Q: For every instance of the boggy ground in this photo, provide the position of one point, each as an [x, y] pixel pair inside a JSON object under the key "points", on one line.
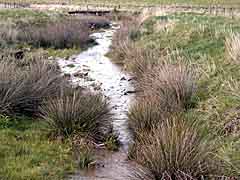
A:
{"points": [[48, 128], [185, 122]]}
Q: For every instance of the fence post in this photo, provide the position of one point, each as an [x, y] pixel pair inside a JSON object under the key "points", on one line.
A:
{"points": [[210, 9], [231, 12]]}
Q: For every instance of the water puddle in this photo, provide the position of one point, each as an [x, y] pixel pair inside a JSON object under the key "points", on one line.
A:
{"points": [[92, 69]]}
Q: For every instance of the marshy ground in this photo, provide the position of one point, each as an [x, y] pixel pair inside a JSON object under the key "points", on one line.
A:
{"points": [[156, 98]]}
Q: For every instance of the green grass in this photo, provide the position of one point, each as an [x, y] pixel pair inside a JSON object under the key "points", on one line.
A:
{"points": [[27, 153], [24, 16], [200, 42]]}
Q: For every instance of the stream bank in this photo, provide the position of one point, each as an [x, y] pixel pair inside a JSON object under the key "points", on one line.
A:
{"points": [[92, 69]]}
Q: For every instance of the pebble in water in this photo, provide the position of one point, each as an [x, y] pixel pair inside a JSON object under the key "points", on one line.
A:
{"points": [[113, 83]]}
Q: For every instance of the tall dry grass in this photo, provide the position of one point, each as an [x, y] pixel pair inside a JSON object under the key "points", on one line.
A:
{"points": [[23, 88], [77, 112], [42, 80], [11, 87], [145, 114], [65, 34], [139, 60], [174, 85], [123, 39], [177, 149], [8, 34], [232, 44]]}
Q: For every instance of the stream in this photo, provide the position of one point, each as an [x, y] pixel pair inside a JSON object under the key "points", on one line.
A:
{"points": [[92, 69]]}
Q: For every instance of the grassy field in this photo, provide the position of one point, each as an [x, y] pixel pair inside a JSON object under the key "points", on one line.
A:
{"points": [[27, 152], [187, 73], [185, 121], [136, 2], [47, 127], [16, 18]]}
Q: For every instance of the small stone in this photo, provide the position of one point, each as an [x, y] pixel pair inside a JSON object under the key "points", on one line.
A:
{"points": [[92, 164], [90, 79], [86, 69], [50, 58], [123, 79], [19, 55], [133, 78], [129, 92], [27, 49], [97, 88]]}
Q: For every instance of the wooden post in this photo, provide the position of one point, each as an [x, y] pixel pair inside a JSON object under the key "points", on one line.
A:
{"points": [[231, 12]]}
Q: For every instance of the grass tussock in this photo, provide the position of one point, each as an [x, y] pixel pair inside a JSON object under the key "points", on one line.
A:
{"points": [[128, 31], [11, 86], [77, 112], [173, 85], [145, 115], [23, 89], [140, 60], [8, 34], [177, 149]]}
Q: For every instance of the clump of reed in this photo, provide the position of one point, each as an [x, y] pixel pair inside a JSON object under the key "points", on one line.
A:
{"points": [[23, 89], [178, 149], [75, 111], [122, 41], [59, 35], [165, 89], [174, 85]]}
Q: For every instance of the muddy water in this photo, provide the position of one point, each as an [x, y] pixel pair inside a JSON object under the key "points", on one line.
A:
{"points": [[92, 69]]}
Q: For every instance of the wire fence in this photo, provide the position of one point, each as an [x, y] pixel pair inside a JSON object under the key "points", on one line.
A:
{"points": [[221, 10]]}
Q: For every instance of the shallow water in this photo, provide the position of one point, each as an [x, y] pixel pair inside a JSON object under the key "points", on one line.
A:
{"points": [[92, 69]]}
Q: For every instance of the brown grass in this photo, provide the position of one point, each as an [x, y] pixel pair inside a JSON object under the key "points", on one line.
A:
{"points": [[11, 86], [177, 149], [146, 114], [24, 88], [122, 41], [77, 112], [174, 85], [8, 34], [65, 34], [233, 46]]}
